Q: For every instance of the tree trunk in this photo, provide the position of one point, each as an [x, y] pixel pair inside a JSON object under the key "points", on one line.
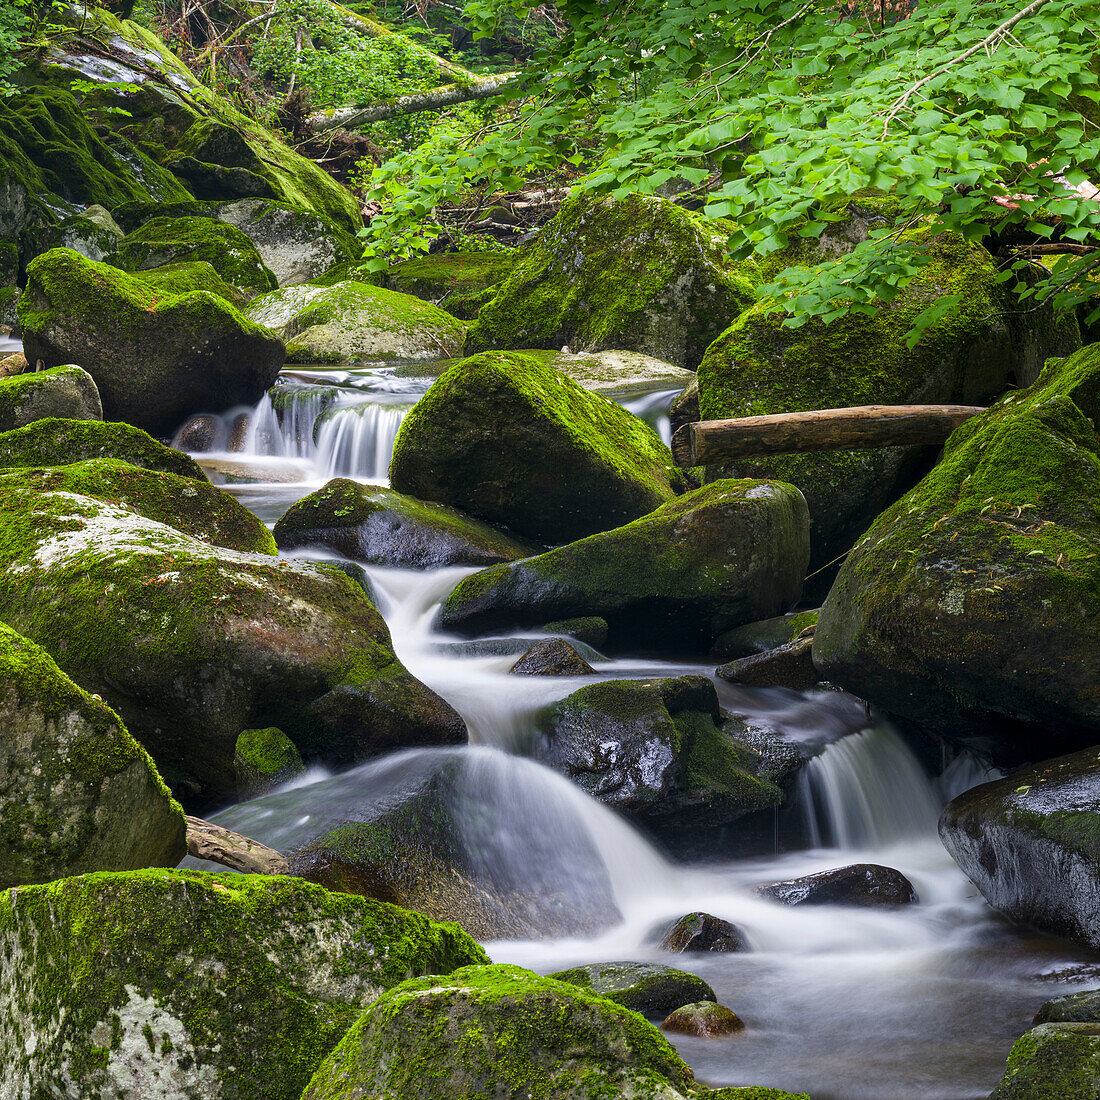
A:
{"points": [[205, 840]]}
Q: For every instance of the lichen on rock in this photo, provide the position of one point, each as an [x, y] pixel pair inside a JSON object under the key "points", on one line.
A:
{"points": [[65, 392]]}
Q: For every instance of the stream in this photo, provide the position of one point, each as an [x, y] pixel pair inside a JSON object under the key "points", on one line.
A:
{"points": [[922, 1002]]}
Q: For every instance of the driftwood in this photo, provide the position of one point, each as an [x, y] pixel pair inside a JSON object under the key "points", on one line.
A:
{"points": [[205, 840], [861, 428]]}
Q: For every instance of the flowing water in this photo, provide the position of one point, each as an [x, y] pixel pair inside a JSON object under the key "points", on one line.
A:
{"points": [[845, 1004]]}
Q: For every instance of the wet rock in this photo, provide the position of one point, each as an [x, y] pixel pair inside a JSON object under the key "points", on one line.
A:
{"points": [[481, 1030], [93, 233], [373, 524], [698, 932], [976, 597], [970, 356], [744, 641], [674, 580], [1076, 1008], [516, 444], [552, 657], [198, 434], [65, 392], [640, 273], [163, 595], [79, 794], [355, 322], [789, 666], [13, 364], [658, 751], [61, 442], [1053, 1062], [706, 1020], [263, 760], [196, 985], [613, 371], [1031, 844], [649, 988], [867, 884], [412, 840], [589, 629], [155, 359], [754, 1092]]}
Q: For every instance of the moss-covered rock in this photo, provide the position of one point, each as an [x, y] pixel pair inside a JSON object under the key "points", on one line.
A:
{"points": [[449, 278], [155, 356], [95, 237], [1053, 1062], [196, 986], [703, 932], [703, 1019], [79, 794], [744, 641], [226, 248], [1075, 1008], [970, 356], [649, 988], [356, 322], [790, 665], [263, 760], [60, 442], [711, 559], [370, 523], [977, 595], [191, 643], [519, 445], [753, 1092], [551, 657], [640, 273], [190, 276], [1031, 844], [65, 393], [658, 751], [487, 1032]]}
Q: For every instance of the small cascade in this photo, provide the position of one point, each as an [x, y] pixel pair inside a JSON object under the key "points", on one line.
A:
{"points": [[868, 790], [357, 441], [653, 408]]}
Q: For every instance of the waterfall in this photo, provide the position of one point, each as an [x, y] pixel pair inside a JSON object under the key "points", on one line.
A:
{"points": [[358, 441], [653, 408]]}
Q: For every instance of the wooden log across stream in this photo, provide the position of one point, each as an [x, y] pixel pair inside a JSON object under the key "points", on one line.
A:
{"points": [[862, 427]]}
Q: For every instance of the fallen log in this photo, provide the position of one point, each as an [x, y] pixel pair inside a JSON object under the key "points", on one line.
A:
{"points": [[861, 428], [205, 840]]}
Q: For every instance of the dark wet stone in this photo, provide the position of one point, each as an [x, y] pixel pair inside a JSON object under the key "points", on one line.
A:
{"points": [[590, 629], [552, 657], [859, 884], [1077, 1008], [789, 666], [707, 1020], [198, 434], [648, 988], [699, 932]]}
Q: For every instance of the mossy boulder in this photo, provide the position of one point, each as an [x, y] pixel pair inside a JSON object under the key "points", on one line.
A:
{"points": [[1053, 1062], [1031, 844], [79, 794], [448, 278], [95, 236], [976, 597], [264, 759], [970, 356], [60, 442], [356, 322], [744, 641], [492, 1031], [1074, 1008], [640, 274], [519, 445], [729, 553], [651, 989], [191, 642], [194, 985], [658, 751], [192, 275], [226, 248], [790, 665], [753, 1092], [373, 524], [66, 393], [155, 356], [521, 867]]}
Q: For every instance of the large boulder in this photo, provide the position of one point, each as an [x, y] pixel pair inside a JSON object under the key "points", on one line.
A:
{"points": [[866, 884], [450, 279], [66, 392], [195, 986], [227, 249], [1031, 844], [155, 357], [729, 553], [499, 1031], [1073, 1008], [79, 794], [357, 322], [373, 524], [976, 597], [969, 356], [104, 565], [92, 233], [519, 445], [1053, 1062], [60, 442], [658, 751], [652, 989], [191, 275], [640, 274]]}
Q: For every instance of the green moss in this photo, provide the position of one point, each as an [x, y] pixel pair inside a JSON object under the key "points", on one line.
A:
{"points": [[60, 442], [639, 273], [1053, 1062], [253, 978], [63, 391], [269, 751], [753, 1092], [450, 275], [189, 276]]}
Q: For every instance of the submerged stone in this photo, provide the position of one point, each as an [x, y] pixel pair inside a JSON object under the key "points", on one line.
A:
{"points": [[698, 932], [64, 392], [649, 988], [493, 1031], [77, 793], [521, 446], [706, 1020], [196, 986]]}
